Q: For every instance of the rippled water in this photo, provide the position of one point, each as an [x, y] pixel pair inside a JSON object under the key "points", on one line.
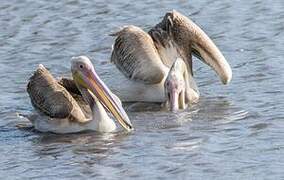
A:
{"points": [[234, 132]]}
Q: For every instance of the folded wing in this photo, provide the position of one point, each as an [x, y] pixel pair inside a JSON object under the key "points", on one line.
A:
{"points": [[52, 99]]}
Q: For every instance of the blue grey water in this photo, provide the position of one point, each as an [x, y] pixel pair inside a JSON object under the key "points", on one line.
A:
{"points": [[234, 132]]}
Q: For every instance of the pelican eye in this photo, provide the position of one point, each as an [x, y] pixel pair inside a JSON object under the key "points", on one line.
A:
{"points": [[81, 66]]}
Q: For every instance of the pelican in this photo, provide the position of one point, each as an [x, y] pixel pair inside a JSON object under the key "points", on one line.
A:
{"points": [[61, 110], [157, 66]]}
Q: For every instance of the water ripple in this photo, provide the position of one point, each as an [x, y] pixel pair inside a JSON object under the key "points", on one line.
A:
{"points": [[234, 132]]}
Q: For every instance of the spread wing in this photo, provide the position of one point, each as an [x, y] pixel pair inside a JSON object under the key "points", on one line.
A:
{"points": [[178, 36], [173, 39], [52, 99], [135, 55]]}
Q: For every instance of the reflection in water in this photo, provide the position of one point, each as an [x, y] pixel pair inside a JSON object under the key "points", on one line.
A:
{"points": [[234, 132], [88, 142]]}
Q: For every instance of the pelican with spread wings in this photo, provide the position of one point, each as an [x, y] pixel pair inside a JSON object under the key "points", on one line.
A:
{"points": [[157, 66]]}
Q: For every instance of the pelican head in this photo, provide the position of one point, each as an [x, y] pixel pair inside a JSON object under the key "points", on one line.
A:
{"points": [[177, 87], [86, 78]]}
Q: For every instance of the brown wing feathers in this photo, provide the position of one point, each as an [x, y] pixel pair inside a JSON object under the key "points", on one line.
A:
{"points": [[52, 99], [135, 55]]}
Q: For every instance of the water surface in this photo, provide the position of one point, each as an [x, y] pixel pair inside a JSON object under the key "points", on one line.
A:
{"points": [[234, 132]]}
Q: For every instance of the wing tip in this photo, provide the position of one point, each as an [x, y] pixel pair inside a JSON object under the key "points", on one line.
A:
{"points": [[118, 31], [124, 29], [228, 77], [173, 12], [40, 68]]}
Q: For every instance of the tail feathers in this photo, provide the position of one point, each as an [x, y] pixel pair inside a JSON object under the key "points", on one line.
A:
{"points": [[31, 117]]}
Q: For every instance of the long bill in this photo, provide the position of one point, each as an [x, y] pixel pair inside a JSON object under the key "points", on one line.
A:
{"points": [[105, 96]]}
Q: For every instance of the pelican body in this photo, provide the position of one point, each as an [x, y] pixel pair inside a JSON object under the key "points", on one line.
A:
{"points": [[146, 60], [65, 109]]}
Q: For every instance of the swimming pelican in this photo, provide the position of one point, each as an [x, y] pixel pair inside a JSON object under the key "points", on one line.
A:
{"points": [[65, 112], [147, 61]]}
